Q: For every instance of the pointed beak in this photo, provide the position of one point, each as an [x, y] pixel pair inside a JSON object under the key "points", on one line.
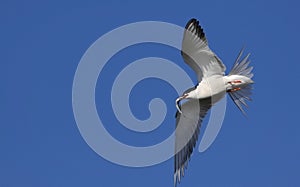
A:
{"points": [[178, 101]]}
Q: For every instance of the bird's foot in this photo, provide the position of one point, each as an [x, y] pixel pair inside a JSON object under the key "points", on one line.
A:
{"points": [[234, 89], [235, 82]]}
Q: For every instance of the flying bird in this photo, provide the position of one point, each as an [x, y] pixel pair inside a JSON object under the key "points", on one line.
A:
{"points": [[212, 86]]}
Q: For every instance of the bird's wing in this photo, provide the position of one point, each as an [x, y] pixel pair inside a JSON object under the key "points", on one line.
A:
{"points": [[196, 53], [187, 130]]}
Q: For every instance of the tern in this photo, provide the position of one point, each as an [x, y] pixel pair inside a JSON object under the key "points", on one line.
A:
{"points": [[212, 86]]}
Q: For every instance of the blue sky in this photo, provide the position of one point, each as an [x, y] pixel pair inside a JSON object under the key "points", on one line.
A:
{"points": [[43, 42]]}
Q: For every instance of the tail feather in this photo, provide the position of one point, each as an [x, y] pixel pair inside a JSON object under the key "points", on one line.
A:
{"points": [[240, 97], [241, 67]]}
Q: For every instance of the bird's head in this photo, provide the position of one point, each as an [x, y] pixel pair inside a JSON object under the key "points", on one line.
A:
{"points": [[188, 94]]}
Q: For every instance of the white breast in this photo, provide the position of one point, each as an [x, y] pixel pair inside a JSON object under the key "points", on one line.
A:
{"points": [[213, 86]]}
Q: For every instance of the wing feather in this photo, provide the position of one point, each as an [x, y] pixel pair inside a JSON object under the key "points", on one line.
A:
{"points": [[196, 53], [187, 132]]}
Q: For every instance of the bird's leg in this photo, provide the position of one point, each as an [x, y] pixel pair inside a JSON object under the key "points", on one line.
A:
{"points": [[235, 82], [232, 84], [234, 89]]}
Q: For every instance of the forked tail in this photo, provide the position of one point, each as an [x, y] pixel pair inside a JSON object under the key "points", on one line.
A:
{"points": [[241, 67]]}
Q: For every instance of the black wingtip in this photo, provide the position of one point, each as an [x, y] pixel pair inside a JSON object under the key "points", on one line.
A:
{"points": [[193, 20], [199, 29]]}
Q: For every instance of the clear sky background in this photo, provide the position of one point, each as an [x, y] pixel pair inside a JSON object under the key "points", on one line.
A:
{"points": [[41, 44]]}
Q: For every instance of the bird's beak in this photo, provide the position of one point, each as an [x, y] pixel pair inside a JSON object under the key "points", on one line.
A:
{"points": [[178, 100]]}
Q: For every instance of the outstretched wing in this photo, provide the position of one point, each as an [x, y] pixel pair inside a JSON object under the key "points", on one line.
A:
{"points": [[187, 131], [196, 53]]}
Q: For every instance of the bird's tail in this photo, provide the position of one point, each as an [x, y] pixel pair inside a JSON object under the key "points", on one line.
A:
{"points": [[241, 67]]}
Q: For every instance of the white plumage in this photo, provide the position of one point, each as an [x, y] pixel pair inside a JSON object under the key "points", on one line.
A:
{"points": [[212, 86]]}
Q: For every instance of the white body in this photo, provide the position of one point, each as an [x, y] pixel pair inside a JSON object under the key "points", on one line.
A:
{"points": [[212, 86], [216, 86]]}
